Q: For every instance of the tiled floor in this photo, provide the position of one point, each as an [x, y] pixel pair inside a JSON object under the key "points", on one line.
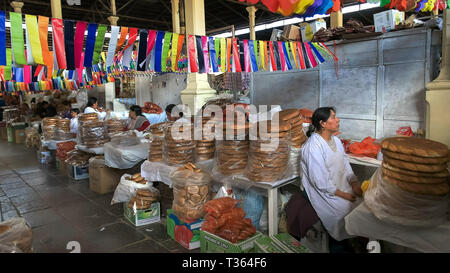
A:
{"points": [[60, 210]]}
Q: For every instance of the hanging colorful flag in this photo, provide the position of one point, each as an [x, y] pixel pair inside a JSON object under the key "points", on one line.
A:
{"points": [[310, 55], [282, 57], [142, 49], [286, 56], [58, 44], [165, 53], [277, 55], [33, 34], [316, 52], [247, 57], [69, 44], [27, 74], [192, 57], [229, 55], [99, 41], [18, 49], [2, 39], [300, 56], [158, 50], [272, 57], [132, 37], [90, 45], [123, 36], [261, 55], [266, 56], [252, 56], [180, 47], [237, 61], [79, 40], [205, 53], [200, 58], [212, 52], [43, 36], [150, 46], [112, 46], [174, 51], [329, 51], [223, 55], [217, 49], [294, 54]]}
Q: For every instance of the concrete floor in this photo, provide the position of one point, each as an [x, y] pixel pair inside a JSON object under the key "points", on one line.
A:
{"points": [[60, 210]]}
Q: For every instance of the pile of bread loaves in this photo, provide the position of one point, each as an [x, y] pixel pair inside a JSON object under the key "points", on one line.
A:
{"points": [[416, 165], [156, 144]]}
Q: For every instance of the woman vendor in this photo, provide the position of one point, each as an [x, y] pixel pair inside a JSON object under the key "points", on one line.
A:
{"points": [[138, 121], [328, 179], [92, 107]]}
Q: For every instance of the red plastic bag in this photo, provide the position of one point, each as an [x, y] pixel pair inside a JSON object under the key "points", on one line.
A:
{"points": [[367, 147], [405, 131]]}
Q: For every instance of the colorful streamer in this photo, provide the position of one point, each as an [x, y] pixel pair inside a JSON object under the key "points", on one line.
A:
{"points": [[79, 39], [174, 51], [237, 62], [180, 46], [167, 39], [69, 43], [90, 45], [158, 50], [272, 57], [18, 49], [223, 55], [228, 54], [33, 34], [247, 57], [99, 41], [205, 53], [123, 36], [142, 49], [2, 39], [282, 58], [112, 46], [43, 35], [252, 56], [201, 60], [212, 52], [192, 59]]}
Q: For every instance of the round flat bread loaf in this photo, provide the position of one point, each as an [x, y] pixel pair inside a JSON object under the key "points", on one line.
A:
{"points": [[288, 114], [413, 173], [425, 189], [414, 179], [416, 167], [415, 146], [415, 159]]}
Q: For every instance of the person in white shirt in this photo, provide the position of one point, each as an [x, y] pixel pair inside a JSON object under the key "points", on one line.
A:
{"points": [[92, 107], [74, 121], [328, 179]]}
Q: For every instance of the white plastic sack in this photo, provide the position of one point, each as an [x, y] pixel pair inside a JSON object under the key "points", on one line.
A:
{"points": [[127, 189], [125, 157], [97, 151]]}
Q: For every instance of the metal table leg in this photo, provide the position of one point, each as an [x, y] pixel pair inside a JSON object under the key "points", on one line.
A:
{"points": [[273, 211]]}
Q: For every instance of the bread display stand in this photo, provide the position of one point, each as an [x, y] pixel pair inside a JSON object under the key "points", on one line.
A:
{"points": [[362, 222], [158, 171], [125, 157]]}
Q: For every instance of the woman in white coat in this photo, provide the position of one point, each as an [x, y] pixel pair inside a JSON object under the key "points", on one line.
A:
{"points": [[328, 179], [92, 107]]}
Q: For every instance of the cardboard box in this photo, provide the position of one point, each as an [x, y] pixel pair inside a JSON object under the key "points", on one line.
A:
{"points": [[103, 179], [280, 243], [45, 157], [291, 32], [78, 172], [19, 136], [186, 234], [142, 217], [307, 30], [211, 243], [387, 20], [3, 133]]}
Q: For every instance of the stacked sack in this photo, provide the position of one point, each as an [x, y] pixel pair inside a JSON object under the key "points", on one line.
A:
{"points": [[50, 128], [412, 186], [93, 134], [297, 137], [157, 140], [416, 165], [232, 152], [179, 151], [226, 221], [206, 147], [63, 129], [191, 190], [268, 158], [115, 126]]}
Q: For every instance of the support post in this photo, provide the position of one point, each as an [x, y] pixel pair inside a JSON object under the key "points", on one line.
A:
{"points": [[17, 6], [176, 16], [251, 19], [56, 9], [336, 19]]}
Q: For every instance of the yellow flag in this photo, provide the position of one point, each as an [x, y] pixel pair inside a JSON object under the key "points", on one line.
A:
{"points": [[223, 55], [174, 50], [33, 34]]}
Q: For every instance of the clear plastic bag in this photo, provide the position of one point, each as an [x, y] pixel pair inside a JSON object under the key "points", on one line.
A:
{"points": [[115, 126], [232, 156], [127, 188], [156, 149], [124, 141], [179, 151], [15, 234], [143, 198], [295, 156], [394, 205], [92, 134], [191, 190]]}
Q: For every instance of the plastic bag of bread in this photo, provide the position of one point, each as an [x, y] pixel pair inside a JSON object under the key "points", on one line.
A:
{"points": [[15, 234], [115, 126], [191, 190], [179, 145], [392, 204], [93, 134], [127, 187], [143, 198]]}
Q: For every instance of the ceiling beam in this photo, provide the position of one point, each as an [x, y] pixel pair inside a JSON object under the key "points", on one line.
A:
{"points": [[233, 10], [124, 6]]}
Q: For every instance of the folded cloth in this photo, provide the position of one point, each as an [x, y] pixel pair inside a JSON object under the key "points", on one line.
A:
{"points": [[300, 215]]}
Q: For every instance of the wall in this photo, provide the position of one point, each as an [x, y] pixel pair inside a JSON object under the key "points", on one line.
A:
{"points": [[377, 86]]}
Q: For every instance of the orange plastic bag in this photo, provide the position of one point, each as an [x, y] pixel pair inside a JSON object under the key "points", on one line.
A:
{"points": [[367, 147]]}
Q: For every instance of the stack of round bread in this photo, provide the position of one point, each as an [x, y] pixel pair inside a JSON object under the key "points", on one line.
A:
{"points": [[115, 126], [87, 118], [93, 134], [206, 147], [50, 128], [268, 157], [191, 190], [144, 198], [63, 126], [178, 151], [156, 144], [416, 165], [295, 119], [232, 152]]}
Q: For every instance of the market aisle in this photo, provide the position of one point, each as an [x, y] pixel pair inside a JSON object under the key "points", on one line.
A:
{"points": [[59, 210]]}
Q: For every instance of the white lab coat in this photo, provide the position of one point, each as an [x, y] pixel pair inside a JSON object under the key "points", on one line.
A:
{"points": [[325, 171], [74, 125], [101, 115]]}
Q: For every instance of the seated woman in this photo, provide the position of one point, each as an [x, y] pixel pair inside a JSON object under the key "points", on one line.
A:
{"points": [[328, 179], [138, 121]]}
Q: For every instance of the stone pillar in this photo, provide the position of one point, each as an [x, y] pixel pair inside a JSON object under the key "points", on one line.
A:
{"points": [[17, 6], [251, 20], [56, 9], [336, 19], [198, 90], [176, 16], [438, 93]]}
